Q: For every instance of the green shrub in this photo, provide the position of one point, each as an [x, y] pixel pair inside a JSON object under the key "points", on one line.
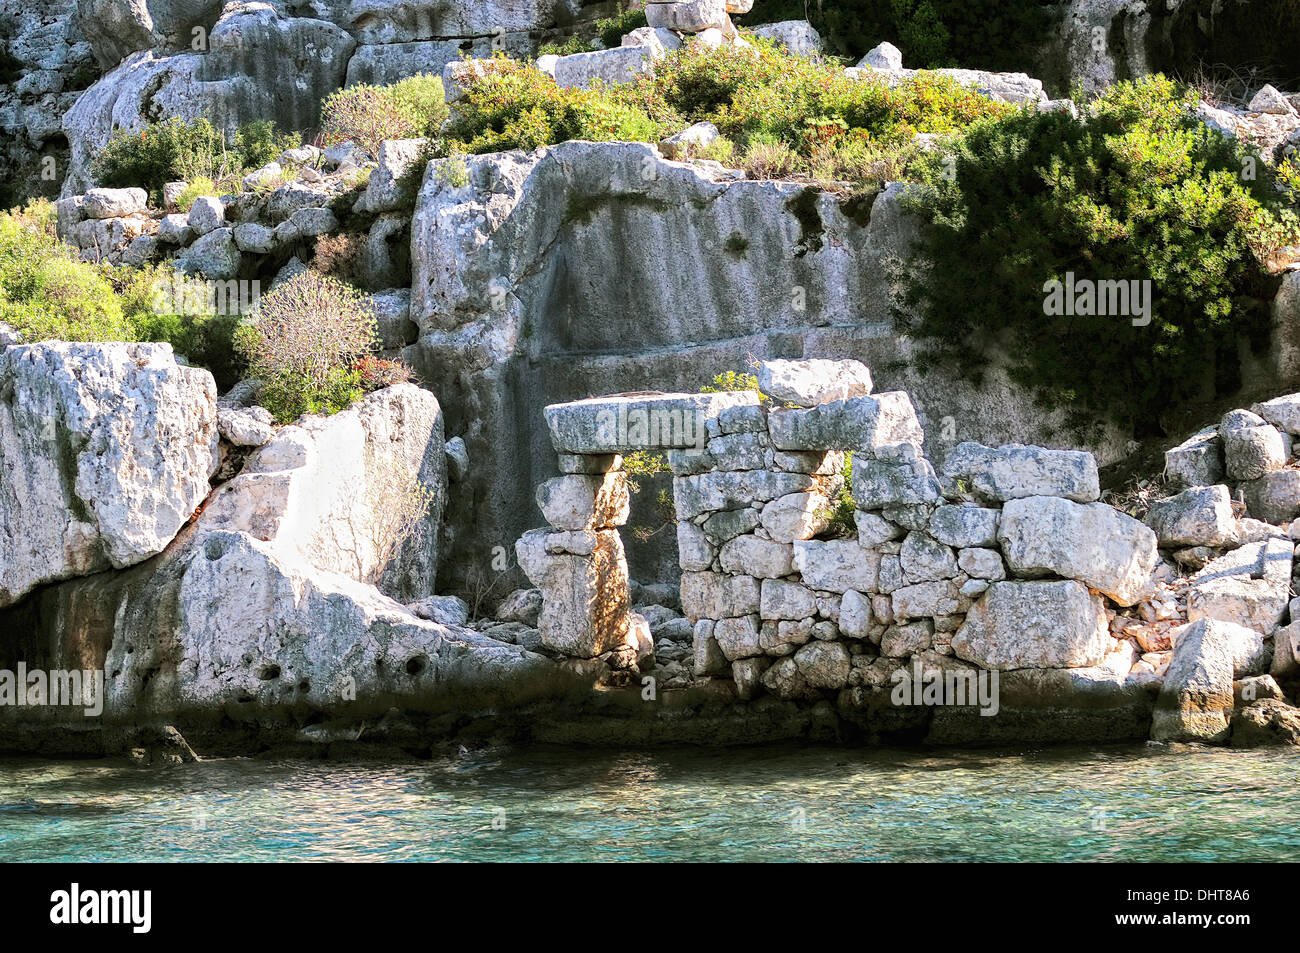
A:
{"points": [[47, 293], [609, 32], [782, 114], [175, 150], [513, 106], [1137, 190], [161, 153], [260, 143], [305, 346], [367, 115], [200, 187]]}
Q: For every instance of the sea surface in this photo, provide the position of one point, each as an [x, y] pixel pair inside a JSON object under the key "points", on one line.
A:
{"points": [[1129, 803]]}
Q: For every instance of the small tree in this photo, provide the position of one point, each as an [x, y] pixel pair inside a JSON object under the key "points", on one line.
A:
{"points": [[311, 332]]}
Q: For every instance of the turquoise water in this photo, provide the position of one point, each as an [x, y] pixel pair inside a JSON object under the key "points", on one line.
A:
{"points": [[796, 804]]}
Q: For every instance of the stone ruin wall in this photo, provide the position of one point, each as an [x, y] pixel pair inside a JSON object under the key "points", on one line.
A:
{"points": [[1004, 561]]}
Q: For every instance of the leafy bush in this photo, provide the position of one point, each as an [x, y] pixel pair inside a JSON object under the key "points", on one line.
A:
{"points": [[260, 143], [161, 153], [514, 106], [311, 332], [175, 150], [977, 34], [48, 293], [1137, 190], [45, 292], [367, 115], [609, 31], [200, 187], [782, 114]]}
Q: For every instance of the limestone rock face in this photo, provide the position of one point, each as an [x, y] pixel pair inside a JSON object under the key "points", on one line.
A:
{"points": [[337, 491], [1094, 543], [227, 626], [1196, 700], [1034, 625], [237, 80], [106, 452]]}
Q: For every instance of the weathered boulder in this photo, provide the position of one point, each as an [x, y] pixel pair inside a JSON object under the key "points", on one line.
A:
{"points": [[895, 475], [1274, 497], [581, 502], [1093, 543], [106, 452], [205, 214], [585, 605], [720, 490], [964, 526], [884, 56], [1267, 722], [622, 424], [612, 67], [1249, 586], [709, 595], [688, 16], [994, 475], [837, 565], [1034, 625], [764, 558], [215, 256], [1251, 447], [244, 426], [1200, 516], [689, 141], [808, 383], [797, 37], [384, 189], [1282, 412], [1197, 461], [823, 665], [444, 610], [113, 203], [794, 516], [1196, 700]]}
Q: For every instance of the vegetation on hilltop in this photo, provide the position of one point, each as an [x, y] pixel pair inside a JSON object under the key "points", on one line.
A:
{"points": [[1137, 189]]}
